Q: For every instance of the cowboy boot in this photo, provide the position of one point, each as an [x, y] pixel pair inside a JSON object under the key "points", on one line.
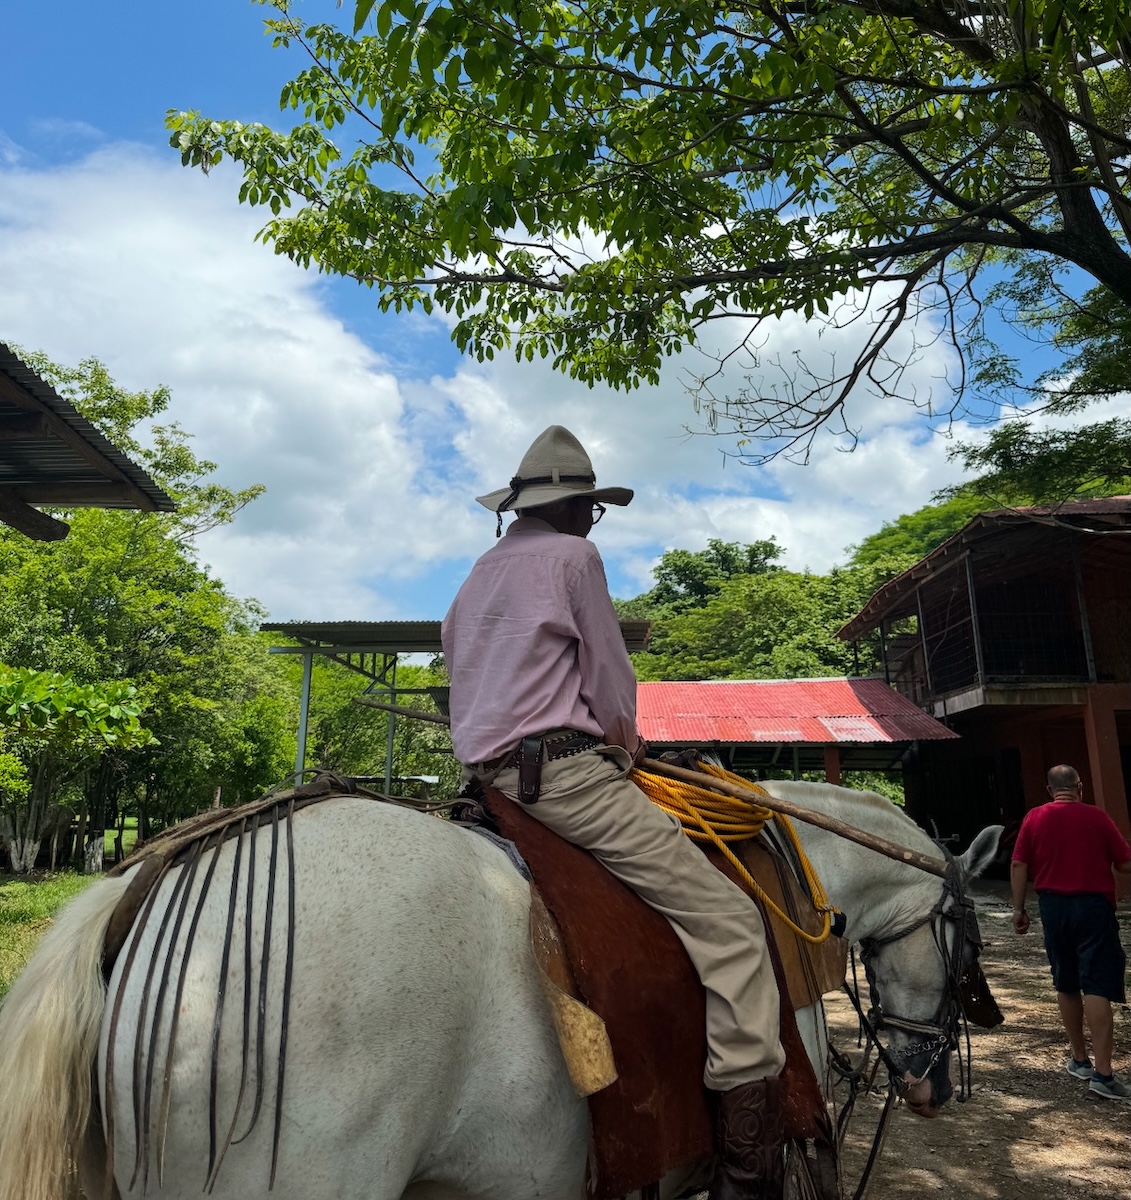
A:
{"points": [[750, 1138]]}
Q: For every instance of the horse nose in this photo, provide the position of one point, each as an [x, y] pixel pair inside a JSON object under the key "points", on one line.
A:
{"points": [[926, 1094], [918, 1094]]}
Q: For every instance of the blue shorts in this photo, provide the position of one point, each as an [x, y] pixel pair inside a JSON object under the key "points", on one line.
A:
{"points": [[1082, 943]]}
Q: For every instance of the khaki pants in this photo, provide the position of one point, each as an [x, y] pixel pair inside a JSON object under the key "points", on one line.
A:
{"points": [[588, 800]]}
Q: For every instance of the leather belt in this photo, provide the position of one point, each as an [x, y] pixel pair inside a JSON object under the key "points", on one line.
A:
{"points": [[532, 752]]}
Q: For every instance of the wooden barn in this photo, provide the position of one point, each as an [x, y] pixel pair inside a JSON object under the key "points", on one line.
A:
{"points": [[1016, 634]]}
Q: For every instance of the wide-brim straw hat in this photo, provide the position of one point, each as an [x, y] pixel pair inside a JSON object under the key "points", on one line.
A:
{"points": [[555, 468]]}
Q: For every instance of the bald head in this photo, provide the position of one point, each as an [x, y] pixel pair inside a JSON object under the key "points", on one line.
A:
{"points": [[1064, 781]]}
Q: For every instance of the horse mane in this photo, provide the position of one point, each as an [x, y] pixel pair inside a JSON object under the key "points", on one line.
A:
{"points": [[823, 796], [879, 814]]}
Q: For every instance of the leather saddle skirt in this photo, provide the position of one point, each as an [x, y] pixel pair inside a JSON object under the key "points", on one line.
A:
{"points": [[631, 969]]}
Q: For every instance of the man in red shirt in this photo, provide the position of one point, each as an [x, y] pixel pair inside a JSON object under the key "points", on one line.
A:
{"points": [[1070, 850]]}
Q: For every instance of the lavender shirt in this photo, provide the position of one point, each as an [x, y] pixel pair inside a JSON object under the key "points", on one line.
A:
{"points": [[532, 643]]}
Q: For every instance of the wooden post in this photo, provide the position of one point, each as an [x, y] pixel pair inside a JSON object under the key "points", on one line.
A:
{"points": [[1085, 626], [923, 642], [391, 725], [303, 713], [832, 764], [975, 628], [1104, 764]]}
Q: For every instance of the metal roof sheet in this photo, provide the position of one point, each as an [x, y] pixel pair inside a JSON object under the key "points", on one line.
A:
{"points": [[401, 637], [811, 711], [50, 454]]}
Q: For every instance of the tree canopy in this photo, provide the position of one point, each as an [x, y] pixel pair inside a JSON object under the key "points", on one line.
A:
{"points": [[914, 535], [1020, 461], [599, 182], [731, 612], [689, 578], [122, 602], [352, 739], [56, 728], [1020, 464], [121, 609]]}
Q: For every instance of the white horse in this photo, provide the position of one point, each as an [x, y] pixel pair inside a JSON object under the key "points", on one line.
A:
{"points": [[421, 1061]]}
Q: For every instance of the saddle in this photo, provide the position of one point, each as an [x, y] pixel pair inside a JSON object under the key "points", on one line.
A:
{"points": [[630, 968]]}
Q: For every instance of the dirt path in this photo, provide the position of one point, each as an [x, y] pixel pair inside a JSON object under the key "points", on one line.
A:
{"points": [[1030, 1131]]}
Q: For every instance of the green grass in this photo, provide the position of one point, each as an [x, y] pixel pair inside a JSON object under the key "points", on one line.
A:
{"points": [[129, 837], [26, 909]]}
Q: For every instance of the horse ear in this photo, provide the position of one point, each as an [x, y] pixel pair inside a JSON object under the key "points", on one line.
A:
{"points": [[982, 852]]}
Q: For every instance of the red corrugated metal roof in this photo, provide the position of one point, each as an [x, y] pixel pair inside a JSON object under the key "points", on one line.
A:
{"points": [[813, 711]]}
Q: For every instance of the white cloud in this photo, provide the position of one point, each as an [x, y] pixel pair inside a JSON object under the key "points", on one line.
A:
{"points": [[1102, 410], [10, 152], [154, 270], [689, 489], [65, 130], [371, 472]]}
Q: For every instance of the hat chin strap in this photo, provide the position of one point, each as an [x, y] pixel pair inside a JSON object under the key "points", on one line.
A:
{"points": [[518, 483]]}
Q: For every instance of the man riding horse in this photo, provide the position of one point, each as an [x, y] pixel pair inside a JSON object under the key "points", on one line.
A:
{"points": [[543, 707]]}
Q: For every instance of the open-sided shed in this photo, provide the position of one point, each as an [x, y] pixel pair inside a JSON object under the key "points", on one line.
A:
{"points": [[829, 725], [52, 455], [797, 725], [372, 649]]}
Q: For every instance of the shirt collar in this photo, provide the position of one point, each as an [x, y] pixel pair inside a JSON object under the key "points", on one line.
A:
{"points": [[529, 525]]}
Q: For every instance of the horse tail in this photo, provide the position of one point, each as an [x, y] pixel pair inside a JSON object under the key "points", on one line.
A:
{"points": [[49, 1030]]}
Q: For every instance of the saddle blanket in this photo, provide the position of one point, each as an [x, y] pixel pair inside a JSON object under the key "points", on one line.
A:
{"points": [[631, 970]]}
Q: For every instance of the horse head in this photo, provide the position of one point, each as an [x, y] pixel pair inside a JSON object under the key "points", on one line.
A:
{"points": [[915, 973]]}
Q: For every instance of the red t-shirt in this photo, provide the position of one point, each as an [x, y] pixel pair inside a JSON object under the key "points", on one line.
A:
{"points": [[1069, 847]]}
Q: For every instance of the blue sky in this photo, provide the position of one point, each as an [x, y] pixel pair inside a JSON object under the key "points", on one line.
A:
{"points": [[371, 433]]}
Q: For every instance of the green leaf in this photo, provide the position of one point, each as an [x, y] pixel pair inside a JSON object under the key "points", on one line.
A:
{"points": [[797, 160], [362, 9]]}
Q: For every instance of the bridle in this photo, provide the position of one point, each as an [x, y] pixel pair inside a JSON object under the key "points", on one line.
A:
{"points": [[966, 996], [941, 1033], [947, 1028]]}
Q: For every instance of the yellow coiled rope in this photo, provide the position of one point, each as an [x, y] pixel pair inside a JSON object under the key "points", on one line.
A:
{"points": [[709, 816]]}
